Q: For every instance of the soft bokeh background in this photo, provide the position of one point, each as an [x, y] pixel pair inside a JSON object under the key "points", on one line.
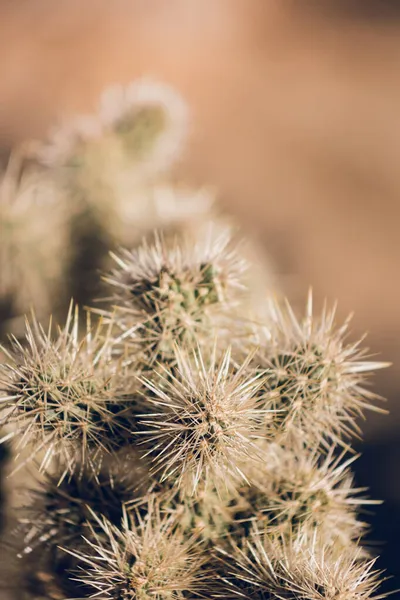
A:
{"points": [[295, 108]]}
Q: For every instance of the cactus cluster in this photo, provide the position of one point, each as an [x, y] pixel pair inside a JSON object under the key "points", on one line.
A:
{"points": [[183, 462], [184, 446]]}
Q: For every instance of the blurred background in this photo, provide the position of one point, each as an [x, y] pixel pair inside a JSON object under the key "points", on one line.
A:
{"points": [[295, 120]]}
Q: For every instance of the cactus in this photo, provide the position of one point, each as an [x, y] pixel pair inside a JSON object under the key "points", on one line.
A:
{"points": [[309, 361], [185, 445], [66, 395]]}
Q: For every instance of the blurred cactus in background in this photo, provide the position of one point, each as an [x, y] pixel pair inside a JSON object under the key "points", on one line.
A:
{"points": [[34, 238], [188, 438]]}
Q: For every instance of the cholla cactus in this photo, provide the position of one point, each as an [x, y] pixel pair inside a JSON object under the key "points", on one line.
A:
{"points": [[187, 447], [315, 381], [65, 396], [204, 421], [57, 513], [166, 294], [301, 567], [224, 435], [146, 559], [296, 490], [145, 122], [113, 162]]}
